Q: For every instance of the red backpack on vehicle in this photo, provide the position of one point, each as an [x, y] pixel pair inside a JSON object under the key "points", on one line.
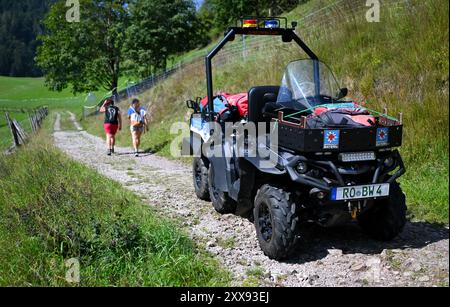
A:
{"points": [[239, 101]]}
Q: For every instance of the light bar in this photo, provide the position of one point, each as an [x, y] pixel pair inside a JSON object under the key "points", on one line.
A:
{"points": [[357, 156], [250, 23]]}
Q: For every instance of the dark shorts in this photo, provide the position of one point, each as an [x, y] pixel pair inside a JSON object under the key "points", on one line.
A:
{"points": [[111, 129], [139, 129]]}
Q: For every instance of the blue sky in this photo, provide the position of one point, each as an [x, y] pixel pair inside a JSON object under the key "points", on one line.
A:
{"points": [[198, 3]]}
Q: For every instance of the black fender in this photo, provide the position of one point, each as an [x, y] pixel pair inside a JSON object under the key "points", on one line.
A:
{"points": [[221, 173], [264, 165]]}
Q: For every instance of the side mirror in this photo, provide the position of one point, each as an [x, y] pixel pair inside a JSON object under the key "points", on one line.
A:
{"points": [[193, 105], [294, 24], [342, 93], [190, 104]]}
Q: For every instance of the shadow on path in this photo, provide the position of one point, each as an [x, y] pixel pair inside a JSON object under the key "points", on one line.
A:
{"points": [[351, 240]]}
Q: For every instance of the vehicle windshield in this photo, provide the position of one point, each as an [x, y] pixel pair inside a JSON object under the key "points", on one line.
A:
{"points": [[306, 84]]}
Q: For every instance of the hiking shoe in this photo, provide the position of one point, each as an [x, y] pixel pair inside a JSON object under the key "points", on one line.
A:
{"points": [[109, 152]]}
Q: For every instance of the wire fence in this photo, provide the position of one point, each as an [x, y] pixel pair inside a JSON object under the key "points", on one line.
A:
{"points": [[316, 25], [134, 88]]}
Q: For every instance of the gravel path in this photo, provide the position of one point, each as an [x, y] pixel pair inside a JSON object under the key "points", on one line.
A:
{"points": [[74, 121], [332, 257]]}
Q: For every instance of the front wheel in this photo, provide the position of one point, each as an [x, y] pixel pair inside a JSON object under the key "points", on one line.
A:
{"points": [[276, 222], [387, 217], [200, 178]]}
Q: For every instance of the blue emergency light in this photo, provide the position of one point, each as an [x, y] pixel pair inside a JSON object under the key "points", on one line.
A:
{"points": [[272, 24]]}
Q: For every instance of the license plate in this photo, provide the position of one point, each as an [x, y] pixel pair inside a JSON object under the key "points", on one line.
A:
{"points": [[360, 192]]}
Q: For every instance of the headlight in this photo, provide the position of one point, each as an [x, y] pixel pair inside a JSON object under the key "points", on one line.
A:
{"points": [[301, 167], [357, 156], [321, 195]]}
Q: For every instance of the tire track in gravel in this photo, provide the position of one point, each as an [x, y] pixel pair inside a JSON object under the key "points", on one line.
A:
{"points": [[328, 257]]}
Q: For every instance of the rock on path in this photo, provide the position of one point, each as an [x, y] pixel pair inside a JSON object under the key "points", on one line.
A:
{"points": [[331, 257]]}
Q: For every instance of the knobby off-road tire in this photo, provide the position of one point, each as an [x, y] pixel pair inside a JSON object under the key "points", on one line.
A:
{"points": [[200, 179], [387, 217], [276, 222], [220, 200]]}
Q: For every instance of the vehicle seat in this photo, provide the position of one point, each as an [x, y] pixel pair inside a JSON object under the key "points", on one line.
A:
{"points": [[256, 102]]}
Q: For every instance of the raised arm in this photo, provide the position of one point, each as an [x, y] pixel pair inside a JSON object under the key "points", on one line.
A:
{"points": [[103, 107]]}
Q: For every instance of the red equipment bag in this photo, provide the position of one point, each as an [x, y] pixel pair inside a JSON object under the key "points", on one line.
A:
{"points": [[240, 101], [354, 116]]}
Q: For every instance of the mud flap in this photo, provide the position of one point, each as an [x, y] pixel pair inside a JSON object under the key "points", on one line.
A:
{"points": [[246, 184], [219, 166]]}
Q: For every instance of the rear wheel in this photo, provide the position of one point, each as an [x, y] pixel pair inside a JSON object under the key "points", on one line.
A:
{"points": [[220, 199], [276, 222], [200, 178], [386, 218]]}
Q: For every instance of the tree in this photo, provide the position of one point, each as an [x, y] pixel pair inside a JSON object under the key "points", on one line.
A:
{"points": [[85, 55], [139, 35], [276, 7], [225, 13], [19, 27], [158, 30]]}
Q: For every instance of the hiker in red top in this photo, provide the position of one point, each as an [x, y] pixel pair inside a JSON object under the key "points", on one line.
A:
{"points": [[112, 123]]}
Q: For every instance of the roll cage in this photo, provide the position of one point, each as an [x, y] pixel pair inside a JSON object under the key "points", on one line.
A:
{"points": [[287, 34]]}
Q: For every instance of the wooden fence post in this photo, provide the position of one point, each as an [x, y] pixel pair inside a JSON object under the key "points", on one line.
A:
{"points": [[13, 131], [22, 135], [19, 135], [32, 119]]}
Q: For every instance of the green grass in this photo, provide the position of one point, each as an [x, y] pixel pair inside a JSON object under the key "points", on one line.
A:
{"points": [[31, 92], [400, 63], [27, 88], [49, 217], [66, 123]]}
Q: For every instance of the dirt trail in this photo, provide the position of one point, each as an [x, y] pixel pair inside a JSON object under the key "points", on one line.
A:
{"points": [[333, 257], [73, 119]]}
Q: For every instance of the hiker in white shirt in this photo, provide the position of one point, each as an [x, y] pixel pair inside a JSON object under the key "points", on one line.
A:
{"points": [[138, 123]]}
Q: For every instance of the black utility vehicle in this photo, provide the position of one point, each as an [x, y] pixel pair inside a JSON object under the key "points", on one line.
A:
{"points": [[332, 161]]}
